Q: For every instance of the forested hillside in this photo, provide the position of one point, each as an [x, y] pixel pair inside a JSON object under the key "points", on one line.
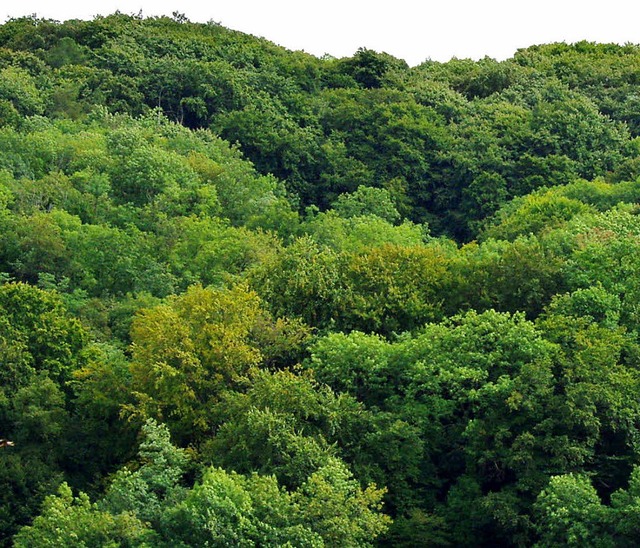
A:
{"points": [[249, 297]]}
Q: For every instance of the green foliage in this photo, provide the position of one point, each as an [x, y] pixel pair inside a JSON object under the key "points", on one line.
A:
{"points": [[227, 508], [19, 95], [26, 479], [303, 280], [185, 352], [66, 52], [604, 72], [571, 514], [41, 347], [625, 510], [371, 69], [540, 119], [509, 276], [524, 406], [360, 234], [152, 269], [395, 288], [38, 335], [148, 506], [230, 509], [336, 507], [367, 201], [74, 521], [133, 502], [534, 213], [210, 251], [280, 426], [155, 486], [97, 437]]}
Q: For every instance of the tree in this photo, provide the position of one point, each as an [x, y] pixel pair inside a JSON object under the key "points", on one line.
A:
{"points": [[534, 214], [187, 351], [395, 288], [362, 233], [571, 514], [19, 94], [371, 69], [147, 492], [367, 201], [40, 333], [209, 251], [73, 521], [333, 504], [41, 346], [27, 479], [304, 280], [284, 424], [230, 509], [134, 501]]}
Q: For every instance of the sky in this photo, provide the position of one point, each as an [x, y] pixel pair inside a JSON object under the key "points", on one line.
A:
{"points": [[412, 30]]}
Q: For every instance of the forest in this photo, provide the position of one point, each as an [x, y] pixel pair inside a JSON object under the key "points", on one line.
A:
{"points": [[252, 297]]}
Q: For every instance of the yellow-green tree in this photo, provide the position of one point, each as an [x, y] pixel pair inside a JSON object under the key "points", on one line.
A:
{"points": [[186, 351]]}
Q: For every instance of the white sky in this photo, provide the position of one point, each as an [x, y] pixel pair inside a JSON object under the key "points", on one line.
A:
{"points": [[413, 30]]}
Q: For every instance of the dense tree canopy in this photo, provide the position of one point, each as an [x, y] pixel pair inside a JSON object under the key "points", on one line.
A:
{"points": [[249, 297]]}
